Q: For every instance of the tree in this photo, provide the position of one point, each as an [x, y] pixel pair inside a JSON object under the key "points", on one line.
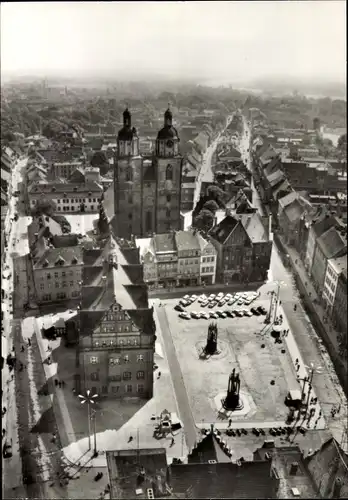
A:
{"points": [[44, 206], [342, 143], [204, 220], [217, 194], [212, 206]]}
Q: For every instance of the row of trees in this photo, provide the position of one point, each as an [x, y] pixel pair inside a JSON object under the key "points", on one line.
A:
{"points": [[204, 213]]}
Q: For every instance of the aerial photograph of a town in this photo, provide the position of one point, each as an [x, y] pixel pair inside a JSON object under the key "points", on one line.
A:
{"points": [[174, 250]]}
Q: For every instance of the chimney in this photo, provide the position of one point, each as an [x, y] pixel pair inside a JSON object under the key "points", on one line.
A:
{"points": [[293, 468], [337, 488]]}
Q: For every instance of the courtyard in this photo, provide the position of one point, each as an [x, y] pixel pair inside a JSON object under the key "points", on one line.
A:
{"points": [[266, 368]]}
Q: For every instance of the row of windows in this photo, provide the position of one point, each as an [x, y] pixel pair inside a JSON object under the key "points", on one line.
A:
{"points": [[60, 296], [207, 269], [140, 375], [64, 284], [71, 209], [63, 274], [110, 343], [208, 259], [116, 361], [116, 389], [79, 200], [188, 262], [116, 329]]}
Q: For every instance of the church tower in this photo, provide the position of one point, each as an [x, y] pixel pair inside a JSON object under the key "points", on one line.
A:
{"points": [[128, 181], [168, 171]]}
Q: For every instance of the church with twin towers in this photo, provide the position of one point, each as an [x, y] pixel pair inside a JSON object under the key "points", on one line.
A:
{"points": [[147, 188]]}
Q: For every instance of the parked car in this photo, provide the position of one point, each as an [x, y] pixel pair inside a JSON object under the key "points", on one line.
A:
{"points": [[186, 297], [221, 314], [213, 315], [212, 304], [240, 302], [232, 301], [222, 303], [184, 315], [211, 296], [195, 315], [262, 310], [204, 304], [238, 313], [255, 311], [184, 303], [193, 298], [205, 315], [179, 308], [220, 296], [248, 313], [202, 298]]}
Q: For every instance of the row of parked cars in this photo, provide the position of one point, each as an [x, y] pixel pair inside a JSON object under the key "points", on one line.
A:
{"points": [[274, 431], [220, 300]]}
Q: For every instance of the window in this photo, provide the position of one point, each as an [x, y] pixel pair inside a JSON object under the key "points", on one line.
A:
{"points": [[168, 212], [64, 284], [115, 388], [90, 200], [168, 198], [130, 216], [95, 376], [135, 341], [148, 222], [56, 275], [96, 344], [104, 389], [140, 375], [130, 198], [169, 173], [126, 358], [129, 174], [140, 357], [94, 360], [75, 293], [140, 388], [127, 375], [42, 286], [48, 276], [129, 388], [71, 283]]}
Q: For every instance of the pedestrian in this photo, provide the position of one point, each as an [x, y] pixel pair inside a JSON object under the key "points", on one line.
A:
{"points": [[172, 442], [296, 361], [295, 307], [130, 439], [55, 382], [3, 432], [159, 375], [59, 384], [229, 422], [4, 410], [21, 367], [63, 383], [49, 360], [29, 342], [22, 348]]}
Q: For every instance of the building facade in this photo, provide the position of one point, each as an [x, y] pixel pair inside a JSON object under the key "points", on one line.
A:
{"points": [[334, 268], [339, 310], [115, 353], [68, 197], [147, 192], [178, 258]]}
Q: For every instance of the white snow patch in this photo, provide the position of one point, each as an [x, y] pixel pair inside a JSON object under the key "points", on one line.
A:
{"points": [[158, 349]]}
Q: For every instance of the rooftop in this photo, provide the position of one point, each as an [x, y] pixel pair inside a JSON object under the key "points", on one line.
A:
{"points": [[164, 243], [223, 230], [331, 243], [51, 187], [339, 264], [187, 240], [254, 227]]}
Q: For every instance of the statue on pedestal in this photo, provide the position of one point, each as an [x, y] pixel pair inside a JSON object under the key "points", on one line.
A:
{"points": [[232, 401], [211, 346]]}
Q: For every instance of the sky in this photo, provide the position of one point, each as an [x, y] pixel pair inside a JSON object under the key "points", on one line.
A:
{"points": [[216, 40]]}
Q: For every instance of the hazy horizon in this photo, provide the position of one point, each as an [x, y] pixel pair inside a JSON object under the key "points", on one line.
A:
{"points": [[201, 41]]}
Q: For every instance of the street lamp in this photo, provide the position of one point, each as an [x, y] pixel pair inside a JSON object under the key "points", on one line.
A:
{"points": [[89, 399], [312, 369], [272, 293]]}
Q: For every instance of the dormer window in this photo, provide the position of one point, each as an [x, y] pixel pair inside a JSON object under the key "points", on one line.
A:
{"points": [[74, 260], [45, 263], [64, 194], [60, 261], [75, 189]]}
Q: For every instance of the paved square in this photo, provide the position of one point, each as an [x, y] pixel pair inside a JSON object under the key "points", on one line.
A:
{"points": [[240, 344]]}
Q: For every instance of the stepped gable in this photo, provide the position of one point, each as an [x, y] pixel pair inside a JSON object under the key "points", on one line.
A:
{"points": [[208, 449]]}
